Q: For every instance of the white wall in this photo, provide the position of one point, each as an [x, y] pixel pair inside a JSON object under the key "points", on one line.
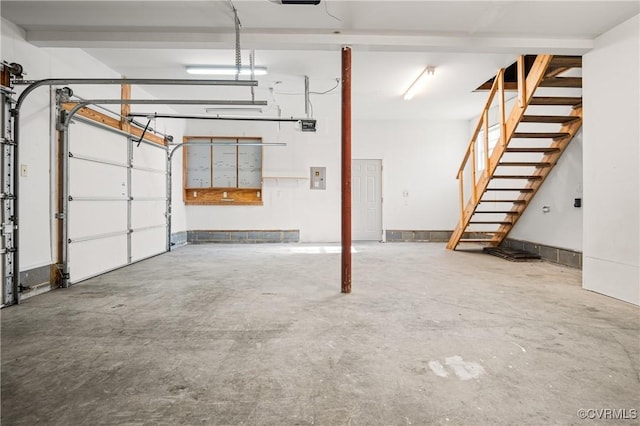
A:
{"points": [[37, 206], [419, 158], [611, 159], [288, 201], [562, 225]]}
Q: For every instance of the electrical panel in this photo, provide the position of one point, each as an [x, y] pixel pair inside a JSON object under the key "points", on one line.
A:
{"points": [[318, 178]]}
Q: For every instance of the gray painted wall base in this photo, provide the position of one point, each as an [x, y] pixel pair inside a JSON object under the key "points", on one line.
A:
{"points": [[557, 255], [179, 239], [552, 254], [247, 237], [395, 236]]}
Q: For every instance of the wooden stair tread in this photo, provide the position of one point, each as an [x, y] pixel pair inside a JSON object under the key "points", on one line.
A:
{"points": [[549, 150], [572, 82], [564, 61], [524, 164], [496, 212], [490, 222], [540, 135], [486, 232], [503, 201], [511, 189], [556, 100], [562, 119], [525, 177]]}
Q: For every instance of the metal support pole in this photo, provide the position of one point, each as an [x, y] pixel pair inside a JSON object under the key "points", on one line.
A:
{"points": [[346, 169]]}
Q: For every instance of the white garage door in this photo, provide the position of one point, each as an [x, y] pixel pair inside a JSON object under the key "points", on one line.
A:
{"points": [[117, 201]]}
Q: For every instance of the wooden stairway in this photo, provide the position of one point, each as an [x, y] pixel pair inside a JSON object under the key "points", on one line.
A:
{"points": [[545, 117]]}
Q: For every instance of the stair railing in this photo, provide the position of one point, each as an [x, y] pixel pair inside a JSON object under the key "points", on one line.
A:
{"points": [[526, 85], [471, 158]]}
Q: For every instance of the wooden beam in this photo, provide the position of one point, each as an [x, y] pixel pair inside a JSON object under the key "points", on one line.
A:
{"points": [[509, 86], [125, 109], [346, 170], [474, 191], [5, 76], [503, 117], [571, 82], [566, 61], [99, 117], [522, 82]]}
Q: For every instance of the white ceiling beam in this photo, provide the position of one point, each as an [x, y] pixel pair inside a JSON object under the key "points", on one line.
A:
{"points": [[308, 41]]}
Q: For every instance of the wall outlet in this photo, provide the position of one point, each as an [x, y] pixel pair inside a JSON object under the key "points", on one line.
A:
{"points": [[24, 170]]}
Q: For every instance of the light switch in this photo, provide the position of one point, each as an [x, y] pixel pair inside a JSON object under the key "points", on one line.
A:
{"points": [[24, 171]]}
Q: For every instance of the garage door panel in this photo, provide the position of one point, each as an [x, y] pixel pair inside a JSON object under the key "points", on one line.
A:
{"points": [[148, 242], [90, 258], [107, 229], [87, 140], [95, 218], [88, 179], [147, 213], [147, 184]]}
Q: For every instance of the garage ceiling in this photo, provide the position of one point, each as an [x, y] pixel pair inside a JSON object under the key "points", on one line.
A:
{"points": [[393, 41]]}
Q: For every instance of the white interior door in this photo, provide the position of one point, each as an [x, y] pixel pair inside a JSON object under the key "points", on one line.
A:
{"points": [[366, 200]]}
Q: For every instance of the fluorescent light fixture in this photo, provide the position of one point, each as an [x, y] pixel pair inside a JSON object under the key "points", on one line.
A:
{"points": [[419, 83], [225, 70]]}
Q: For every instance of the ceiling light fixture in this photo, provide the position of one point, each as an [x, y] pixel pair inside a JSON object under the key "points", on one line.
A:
{"points": [[225, 70], [419, 83]]}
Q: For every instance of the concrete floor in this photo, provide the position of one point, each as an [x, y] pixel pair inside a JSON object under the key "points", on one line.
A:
{"points": [[260, 334]]}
